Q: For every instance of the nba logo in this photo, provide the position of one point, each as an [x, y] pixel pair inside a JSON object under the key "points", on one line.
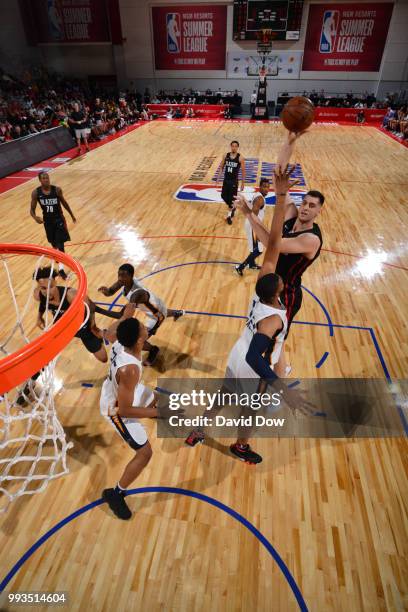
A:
{"points": [[329, 31], [173, 32]]}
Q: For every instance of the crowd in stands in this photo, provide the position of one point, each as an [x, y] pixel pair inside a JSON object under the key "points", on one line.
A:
{"points": [[38, 100], [348, 100], [396, 121]]}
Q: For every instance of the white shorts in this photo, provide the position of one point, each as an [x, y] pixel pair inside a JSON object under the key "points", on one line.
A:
{"points": [[130, 429], [151, 320], [81, 133], [237, 365]]}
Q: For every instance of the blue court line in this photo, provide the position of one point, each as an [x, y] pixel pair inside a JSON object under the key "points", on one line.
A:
{"points": [[388, 377], [189, 263], [323, 307], [175, 490], [322, 360], [113, 303], [379, 353], [219, 314]]}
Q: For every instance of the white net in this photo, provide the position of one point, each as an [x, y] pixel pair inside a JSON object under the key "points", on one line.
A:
{"points": [[33, 445]]}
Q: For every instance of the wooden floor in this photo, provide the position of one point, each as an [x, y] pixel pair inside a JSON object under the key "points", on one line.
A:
{"points": [[335, 510]]}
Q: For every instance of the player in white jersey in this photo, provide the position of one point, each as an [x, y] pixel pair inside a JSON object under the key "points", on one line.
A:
{"points": [[255, 246], [154, 308], [124, 399]]}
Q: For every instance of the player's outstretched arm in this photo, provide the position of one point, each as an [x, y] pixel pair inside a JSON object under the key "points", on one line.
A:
{"points": [[110, 290], [65, 203], [260, 343], [128, 312], [243, 173], [128, 379], [288, 148], [33, 207], [282, 186]]}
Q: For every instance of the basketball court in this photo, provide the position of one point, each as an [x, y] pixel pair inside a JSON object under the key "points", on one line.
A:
{"points": [[320, 522]]}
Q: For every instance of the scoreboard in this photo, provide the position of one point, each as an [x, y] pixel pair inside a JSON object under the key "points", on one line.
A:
{"points": [[283, 17]]}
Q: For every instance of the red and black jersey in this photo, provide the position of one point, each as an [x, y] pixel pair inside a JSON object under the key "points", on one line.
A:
{"points": [[290, 267]]}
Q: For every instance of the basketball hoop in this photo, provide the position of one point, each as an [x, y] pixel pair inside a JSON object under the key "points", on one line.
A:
{"points": [[33, 445]]}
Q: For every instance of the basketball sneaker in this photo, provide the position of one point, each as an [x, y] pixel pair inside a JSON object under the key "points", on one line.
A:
{"points": [[116, 502], [245, 453], [229, 220], [178, 314], [195, 437]]}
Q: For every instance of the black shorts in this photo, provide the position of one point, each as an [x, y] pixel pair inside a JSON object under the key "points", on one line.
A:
{"points": [[229, 191], [57, 231], [91, 342], [292, 300]]}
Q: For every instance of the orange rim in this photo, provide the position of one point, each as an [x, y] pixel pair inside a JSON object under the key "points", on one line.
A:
{"points": [[25, 362]]}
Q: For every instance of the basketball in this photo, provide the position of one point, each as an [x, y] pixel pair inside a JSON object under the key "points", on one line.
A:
{"points": [[298, 114]]}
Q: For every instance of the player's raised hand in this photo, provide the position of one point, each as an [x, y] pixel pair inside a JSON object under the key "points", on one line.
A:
{"points": [[129, 310], [242, 204], [282, 180], [104, 290], [294, 136]]}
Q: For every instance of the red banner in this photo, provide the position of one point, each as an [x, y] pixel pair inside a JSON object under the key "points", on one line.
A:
{"points": [[347, 37], [68, 21], [212, 111], [189, 37], [371, 115]]}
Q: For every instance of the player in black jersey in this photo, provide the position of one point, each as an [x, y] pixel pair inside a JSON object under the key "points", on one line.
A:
{"points": [[58, 301], [232, 162], [50, 199], [300, 247]]}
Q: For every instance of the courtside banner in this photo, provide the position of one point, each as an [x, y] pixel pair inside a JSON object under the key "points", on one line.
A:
{"points": [[346, 37], [189, 37]]}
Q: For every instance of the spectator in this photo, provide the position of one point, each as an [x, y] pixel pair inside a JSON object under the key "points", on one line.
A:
{"points": [[253, 102], [78, 120], [360, 117], [388, 117]]}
